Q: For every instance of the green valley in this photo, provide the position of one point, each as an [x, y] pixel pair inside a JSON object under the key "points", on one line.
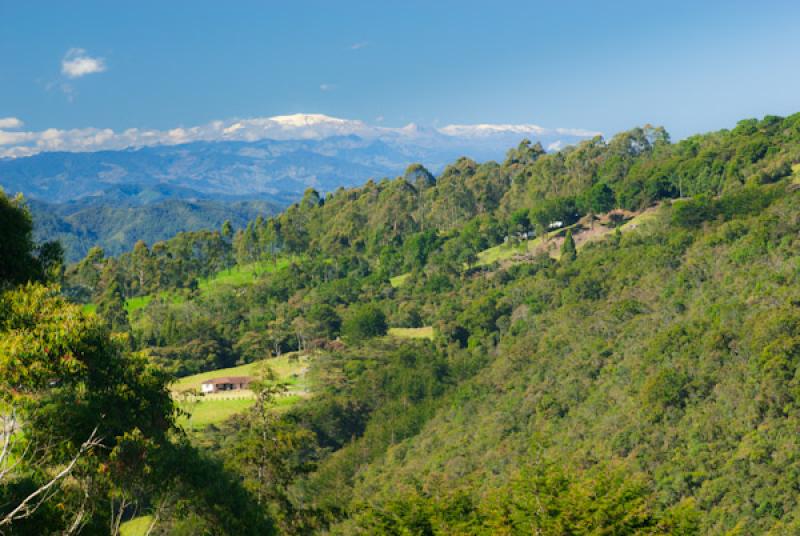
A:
{"points": [[597, 340]]}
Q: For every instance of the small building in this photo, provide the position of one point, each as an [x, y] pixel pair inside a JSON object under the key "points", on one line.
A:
{"points": [[229, 383]]}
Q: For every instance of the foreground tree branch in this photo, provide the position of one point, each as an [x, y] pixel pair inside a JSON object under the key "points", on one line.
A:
{"points": [[33, 501]]}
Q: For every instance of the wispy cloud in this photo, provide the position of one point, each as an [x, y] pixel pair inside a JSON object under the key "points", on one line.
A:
{"points": [[327, 87], [10, 122], [359, 45], [78, 63], [15, 142]]}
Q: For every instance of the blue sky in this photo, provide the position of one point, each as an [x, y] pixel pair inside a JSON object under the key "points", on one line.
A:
{"points": [[606, 66]]}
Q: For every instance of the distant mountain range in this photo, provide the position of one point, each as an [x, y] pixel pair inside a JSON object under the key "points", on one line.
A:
{"points": [[194, 178]]}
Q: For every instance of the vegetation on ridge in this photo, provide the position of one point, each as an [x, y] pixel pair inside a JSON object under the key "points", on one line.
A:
{"points": [[639, 382]]}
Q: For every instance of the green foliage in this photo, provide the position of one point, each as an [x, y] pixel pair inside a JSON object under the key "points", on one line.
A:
{"points": [[88, 429], [365, 322], [20, 261], [116, 226], [568, 250], [598, 199], [645, 386]]}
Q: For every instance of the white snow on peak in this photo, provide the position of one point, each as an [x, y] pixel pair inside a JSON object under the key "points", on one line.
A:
{"points": [[305, 120]]}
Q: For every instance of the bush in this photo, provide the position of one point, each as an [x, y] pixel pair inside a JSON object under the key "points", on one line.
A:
{"points": [[364, 322]]}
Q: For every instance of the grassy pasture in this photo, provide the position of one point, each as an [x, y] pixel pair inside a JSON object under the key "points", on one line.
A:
{"points": [[215, 408], [136, 527], [399, 280], [425, 332], [242, 275], [236, 276]]}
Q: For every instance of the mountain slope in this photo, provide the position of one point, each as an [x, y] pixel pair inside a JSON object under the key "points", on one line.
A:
{"points": [[643, 382], [673, 352], [116, 227]]}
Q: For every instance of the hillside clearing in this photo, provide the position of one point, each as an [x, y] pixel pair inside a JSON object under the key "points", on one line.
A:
{"points": [[215, 408], [583, 233], [137, 526], [399, 280], [242, 275], [425, 332]]}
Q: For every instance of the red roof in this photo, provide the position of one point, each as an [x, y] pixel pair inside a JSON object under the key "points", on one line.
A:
{"points": [[228, 379]]}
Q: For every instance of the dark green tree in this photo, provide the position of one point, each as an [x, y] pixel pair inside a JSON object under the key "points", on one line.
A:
{"points": [[17, 260], [365, 322], [568, 250]]}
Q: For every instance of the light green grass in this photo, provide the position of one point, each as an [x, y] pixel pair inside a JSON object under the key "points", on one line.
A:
{"points": [[242, 275], [399, 280], [236, 276], [212, 411], [215, 408], [136, 527], [284, 367], [506, 251], [639, 219], [425, 332], [795, 173], [194, 381], [139, 302]]}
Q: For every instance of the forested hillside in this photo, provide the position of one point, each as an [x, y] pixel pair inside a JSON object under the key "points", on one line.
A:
{"points": [[625, 360], [116, 225]]}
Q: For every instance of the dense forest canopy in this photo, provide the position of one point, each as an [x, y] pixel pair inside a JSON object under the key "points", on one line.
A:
{"points": [[613, 346]]}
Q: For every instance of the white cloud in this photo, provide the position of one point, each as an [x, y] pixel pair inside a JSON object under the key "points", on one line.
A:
{"points": [[359, 45], [16, 143], [484, 130], [10, 122], [327, 87], [77, 63]]}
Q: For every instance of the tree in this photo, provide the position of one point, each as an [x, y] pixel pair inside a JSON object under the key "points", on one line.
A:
{"points": [[70, 392], [267, 448], [568, 251], [227, 230], [50, 256], [142, 266], [418, 176], [111, 307], [365, 322], [324, 320], [17, 261], [599, 199]]}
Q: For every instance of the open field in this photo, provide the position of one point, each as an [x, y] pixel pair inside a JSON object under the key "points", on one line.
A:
{"points": [[210, 411], [399, 280], [551, 242], [215, 408], [425, 332], [236, 276], [289, 367], [242, 275], [139, 302], [502, 252], [136, 527]]}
